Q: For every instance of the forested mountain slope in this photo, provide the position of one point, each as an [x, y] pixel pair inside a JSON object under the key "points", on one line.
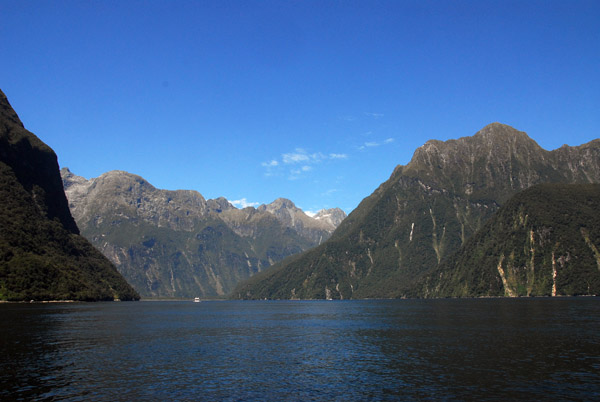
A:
{"points": [[544, 241]]}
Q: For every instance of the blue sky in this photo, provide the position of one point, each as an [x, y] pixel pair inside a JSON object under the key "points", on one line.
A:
{"points": [[315, 101]]}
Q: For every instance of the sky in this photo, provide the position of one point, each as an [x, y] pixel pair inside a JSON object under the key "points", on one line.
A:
{"points": [[314, 101]]}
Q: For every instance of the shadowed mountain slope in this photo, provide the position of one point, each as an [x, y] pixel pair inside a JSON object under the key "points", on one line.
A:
{"points": [[42, 255], [544, 241]]}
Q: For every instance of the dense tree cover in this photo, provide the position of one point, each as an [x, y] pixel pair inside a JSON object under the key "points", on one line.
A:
{"points": [[545, 241]]}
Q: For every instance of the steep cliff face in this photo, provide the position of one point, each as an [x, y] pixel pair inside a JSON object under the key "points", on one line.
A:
{"points": [[543, 242], [177, 243], [35, 166], [424, 212], [42, 255]]}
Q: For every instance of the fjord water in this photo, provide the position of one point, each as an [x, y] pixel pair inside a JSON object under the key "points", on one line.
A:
{"points": [[474, 349]]}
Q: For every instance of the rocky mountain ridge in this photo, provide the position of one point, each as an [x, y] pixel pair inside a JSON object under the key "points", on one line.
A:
{"points": [[312, 227], [217, 245], [333, 216], [425, 211]]}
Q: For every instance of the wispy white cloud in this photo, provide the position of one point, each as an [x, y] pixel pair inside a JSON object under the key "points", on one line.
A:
{"points": [[243, 203], [375, 115], [300, 155], [296, 173], [294, 157], [338, 156], [297, 156], [299, 161], [272, 163], [372, 144]]}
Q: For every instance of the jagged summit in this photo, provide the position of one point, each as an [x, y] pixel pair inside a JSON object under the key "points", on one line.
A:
{"points": [[496, 156], [334, 216], [279, 203], [499, 132], [219, 204], [495, 139]]}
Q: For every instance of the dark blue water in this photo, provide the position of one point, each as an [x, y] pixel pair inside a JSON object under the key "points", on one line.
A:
{"points": [[490, 349]]}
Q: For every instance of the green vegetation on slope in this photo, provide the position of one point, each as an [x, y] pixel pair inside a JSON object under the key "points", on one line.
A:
{"points": [[542, 242], [42, 256]]}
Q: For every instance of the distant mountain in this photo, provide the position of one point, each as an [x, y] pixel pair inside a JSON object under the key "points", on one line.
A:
{"points": [[544, 241], [177, 243], [42, 255], [424, 212], [325, 221], [333, 216]]}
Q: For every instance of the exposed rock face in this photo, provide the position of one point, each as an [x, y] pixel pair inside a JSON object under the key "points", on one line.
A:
{"points": [[543, 242], [424, 212], [42, 255], [137, 200], [332, 216], [177, 243], [291, 216]]}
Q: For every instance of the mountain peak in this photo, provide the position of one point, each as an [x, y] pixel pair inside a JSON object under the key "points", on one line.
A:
{"points": [[498, 126], [7, 112], [333, 216], [500, 131], [283, 203], [280, 206], [500, 147], [219, 205], [126, 181]]}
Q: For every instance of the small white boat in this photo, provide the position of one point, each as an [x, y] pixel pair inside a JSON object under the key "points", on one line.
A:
{"points": [[197, 300]]}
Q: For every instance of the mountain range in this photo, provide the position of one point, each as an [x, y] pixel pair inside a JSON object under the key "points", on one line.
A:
{"points": [[426, 211], [178, 244], [42, 255], [492, 214]]}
